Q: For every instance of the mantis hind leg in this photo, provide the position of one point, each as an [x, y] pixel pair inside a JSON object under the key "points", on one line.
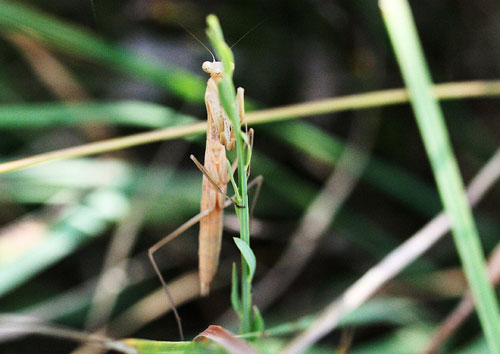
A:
{"points": [[162, 243]]}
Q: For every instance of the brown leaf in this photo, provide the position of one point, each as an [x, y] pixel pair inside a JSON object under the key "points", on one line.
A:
{"points": [[225, 339]]}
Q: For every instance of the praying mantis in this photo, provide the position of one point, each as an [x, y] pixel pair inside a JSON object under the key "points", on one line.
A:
{"points": [[216, 175], [220, 136]]}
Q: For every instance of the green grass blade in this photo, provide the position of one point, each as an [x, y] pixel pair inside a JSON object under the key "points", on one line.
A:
{"points": [[235, 296], [404, 38], [394, 311], [248, 254], [133, 113]]}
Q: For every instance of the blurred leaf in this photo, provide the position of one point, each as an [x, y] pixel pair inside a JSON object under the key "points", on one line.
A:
{"points": [[145, 346], [477, 346], [134, 113], [68, 38], [78, 224], [394, 311], [408, 340], [258, 323]]}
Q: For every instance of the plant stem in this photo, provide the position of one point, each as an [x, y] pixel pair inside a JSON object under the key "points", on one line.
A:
{"points": [[244, 219]]}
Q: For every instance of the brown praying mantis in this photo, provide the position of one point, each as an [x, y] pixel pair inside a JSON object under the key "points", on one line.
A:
{"points": [[217, 172]]}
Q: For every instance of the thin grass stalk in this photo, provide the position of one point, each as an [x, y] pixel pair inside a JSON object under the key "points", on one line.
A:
{"points": [[404, 38]]}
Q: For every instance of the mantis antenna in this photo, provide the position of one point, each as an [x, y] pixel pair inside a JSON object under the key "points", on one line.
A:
{"points": [[203, 44], [249, 31], [198, 40]]}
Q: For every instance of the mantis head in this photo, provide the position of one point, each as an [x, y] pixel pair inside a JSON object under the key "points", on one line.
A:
{"points": [[214, 68]]}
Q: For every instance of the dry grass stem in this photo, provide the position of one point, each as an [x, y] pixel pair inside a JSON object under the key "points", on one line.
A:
{"points": [[359, 101]]}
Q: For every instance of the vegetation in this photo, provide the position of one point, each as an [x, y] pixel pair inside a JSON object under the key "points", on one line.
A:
{"points": [[100, 109]]}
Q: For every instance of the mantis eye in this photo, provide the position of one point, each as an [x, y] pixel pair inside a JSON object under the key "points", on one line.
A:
{"points": [[207, 67]]}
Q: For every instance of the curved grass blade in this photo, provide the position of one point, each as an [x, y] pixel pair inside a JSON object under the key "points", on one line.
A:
{"points": [[248, 254]]}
